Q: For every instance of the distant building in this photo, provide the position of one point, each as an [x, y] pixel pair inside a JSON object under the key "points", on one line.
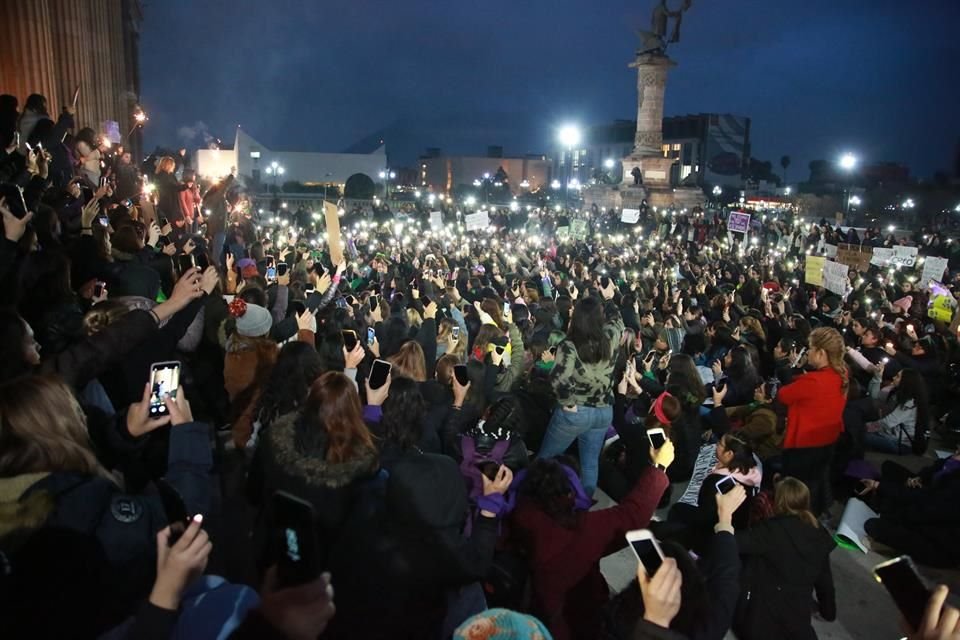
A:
{"points": [[443, 174], [254, 162], [711, 149]]}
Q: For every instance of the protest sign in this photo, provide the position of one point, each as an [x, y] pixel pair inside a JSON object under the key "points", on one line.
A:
{"points": [[578, 229], [830, 250], [881, 256], [814, 272], [332, 218], [902, 256], [436, 220], [563, 233], [739, 222], [477, 221], [854, 256], [630, 216], [933, 269], [942, 303], [835, 277]]}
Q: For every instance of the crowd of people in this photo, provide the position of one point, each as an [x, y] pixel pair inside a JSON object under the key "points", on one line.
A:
{"points": [[180, 373]]}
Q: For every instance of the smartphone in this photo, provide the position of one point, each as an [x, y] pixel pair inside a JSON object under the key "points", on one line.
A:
{"points": [[645, 547], [296, 534], [489, 468], [799, 357], [162, 222], [371, 335], [164, 380], [175, 508], [268, 261], [271, 273], [15, 202], [299, 307], [98, 289], [604, 282], [103, 181], [282, 269], [373, 301], [318, 269], [202, 261], [378, 373], [726, 485], [349, 339], [185, 262], [455, 332], [899, 576], [506, 308], [499, 349], [461, 374], [657, 437]]}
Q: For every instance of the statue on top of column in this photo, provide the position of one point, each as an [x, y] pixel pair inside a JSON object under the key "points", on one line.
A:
{"points": [[655, 41]]}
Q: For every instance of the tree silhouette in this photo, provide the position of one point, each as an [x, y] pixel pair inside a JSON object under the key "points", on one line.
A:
{"points": [[359, 186], [784, 163]]}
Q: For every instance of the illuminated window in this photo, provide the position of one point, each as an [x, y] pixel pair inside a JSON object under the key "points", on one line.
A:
{"points": [[676, 146], [255, 154], [666, 148]]}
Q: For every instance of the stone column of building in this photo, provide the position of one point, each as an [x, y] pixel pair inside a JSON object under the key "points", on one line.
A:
{"points": [[26, 51], [121, 108], [70, 27], [105, 93], [651, 89]]}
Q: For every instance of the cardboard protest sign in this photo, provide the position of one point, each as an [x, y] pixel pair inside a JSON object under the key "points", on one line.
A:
{"points": [[739, 222], [854, 256], [814, 271], [331, 217]]}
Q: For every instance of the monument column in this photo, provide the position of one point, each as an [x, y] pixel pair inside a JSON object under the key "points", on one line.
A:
{"points": [[647, 155]]}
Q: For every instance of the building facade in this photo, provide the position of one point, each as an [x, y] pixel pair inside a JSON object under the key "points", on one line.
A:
{"points": [[443, 174], [51, 47], [711, 149], [254, 163]]}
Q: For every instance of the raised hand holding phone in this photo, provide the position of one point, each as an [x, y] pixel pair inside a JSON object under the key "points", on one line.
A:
{"points": [[180, 564]]}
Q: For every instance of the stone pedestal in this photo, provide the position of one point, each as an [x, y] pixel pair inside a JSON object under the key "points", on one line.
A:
{"points": [[647, 155]]}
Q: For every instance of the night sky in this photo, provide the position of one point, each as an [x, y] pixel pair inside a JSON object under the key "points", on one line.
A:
{"points": [[816, 76]]}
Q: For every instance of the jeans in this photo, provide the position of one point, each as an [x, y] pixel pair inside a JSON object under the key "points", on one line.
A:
{"points": [[886, 444], [588, 426]]}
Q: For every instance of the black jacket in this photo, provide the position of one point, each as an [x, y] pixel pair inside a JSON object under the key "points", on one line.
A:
{"points": [[785, 560]]}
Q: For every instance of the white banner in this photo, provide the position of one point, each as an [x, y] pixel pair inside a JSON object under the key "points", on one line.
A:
{"points": [[881, 256], [630, 216], [830, 250], [933, 269], [477, 221], [436, 220], [904, 256], [835, 277]]}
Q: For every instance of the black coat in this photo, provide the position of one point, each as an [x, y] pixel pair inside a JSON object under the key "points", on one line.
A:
{"points": [[785, 560]]}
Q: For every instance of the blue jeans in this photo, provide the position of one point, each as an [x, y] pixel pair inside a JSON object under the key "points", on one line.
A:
{"points": [[885, 444], [588, 426]]}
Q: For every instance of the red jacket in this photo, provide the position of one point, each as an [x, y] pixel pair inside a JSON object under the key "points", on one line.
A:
{"points": [[815, 404], [568, 589]]}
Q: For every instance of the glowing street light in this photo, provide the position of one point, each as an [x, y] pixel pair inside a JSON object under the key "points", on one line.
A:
{"points": [[717, 190], [275, 170], [386, 175], [848, 162], [609, 163], [569, 136], [555, 184], [855, 201], [525, 184], [908, 203]]}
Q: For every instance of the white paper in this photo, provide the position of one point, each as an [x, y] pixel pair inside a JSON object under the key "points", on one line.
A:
{"points": [[851, 523], [631, 216], [933, 269], [477, 221], [830, 250], [881, 256], [835, 277], [436, 220]]}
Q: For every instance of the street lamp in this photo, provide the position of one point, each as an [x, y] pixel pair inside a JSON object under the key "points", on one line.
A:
{"points": [[609, 163], [908, 203], [275, 170], [386, 175], [569, 136], [555, 184], [855, 201], [848, 162]]}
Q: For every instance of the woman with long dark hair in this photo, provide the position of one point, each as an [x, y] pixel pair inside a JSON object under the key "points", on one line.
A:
{"points": [[736, 378], [582, 377], [907, 407]]}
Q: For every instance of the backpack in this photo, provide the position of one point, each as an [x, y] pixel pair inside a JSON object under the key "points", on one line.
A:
{"points": [[473, 461]]}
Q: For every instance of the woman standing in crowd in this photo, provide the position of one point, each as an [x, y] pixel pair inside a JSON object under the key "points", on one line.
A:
{"points": [[582, 379], [815, 402]]}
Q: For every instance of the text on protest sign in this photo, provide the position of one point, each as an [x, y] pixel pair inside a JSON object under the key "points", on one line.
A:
{"points": [[477, 221], [436, 220], [630, 216], [835, 277], [739, 222], [814, 270]]}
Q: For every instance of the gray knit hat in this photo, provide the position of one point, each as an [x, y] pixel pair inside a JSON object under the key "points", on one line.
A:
{"points": [[253, 320]]}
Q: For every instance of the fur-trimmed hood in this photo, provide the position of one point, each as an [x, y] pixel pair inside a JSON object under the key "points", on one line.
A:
{"points": [[311, 466]]}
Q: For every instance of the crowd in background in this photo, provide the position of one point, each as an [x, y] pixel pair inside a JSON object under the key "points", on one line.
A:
{"points": [[529, 368]]}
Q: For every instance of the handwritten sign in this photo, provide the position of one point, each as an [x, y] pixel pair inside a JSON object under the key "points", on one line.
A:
{"points": [[332, 217], [739, 222], [814, 270], [854, 256], [835, 277], [477, 221], [630, 216], [933, 269], [436, 220], [578, 229], [902, 256]]}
